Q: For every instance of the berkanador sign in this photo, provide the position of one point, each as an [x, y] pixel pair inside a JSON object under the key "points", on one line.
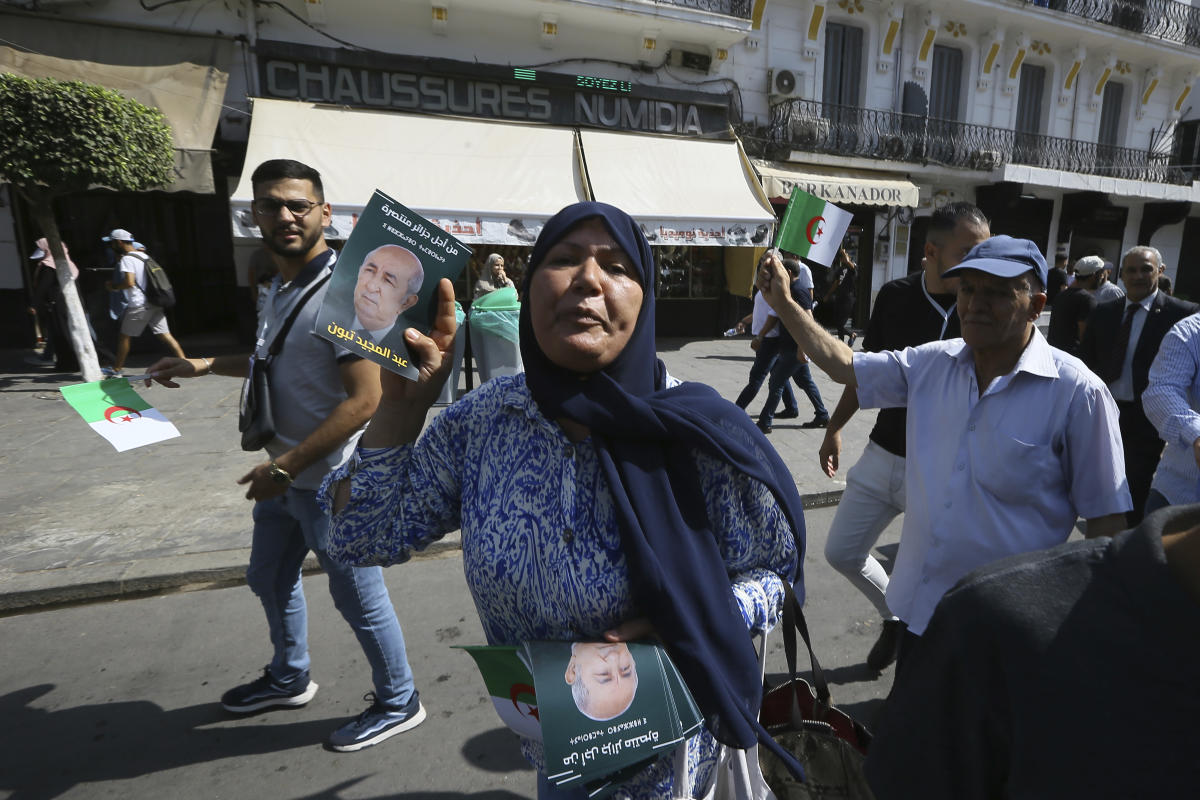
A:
{"points": [[868, 194], [343, 77]]}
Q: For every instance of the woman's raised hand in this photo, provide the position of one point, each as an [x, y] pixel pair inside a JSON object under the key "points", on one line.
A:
{"points": [[402, 408], [434, 355]]}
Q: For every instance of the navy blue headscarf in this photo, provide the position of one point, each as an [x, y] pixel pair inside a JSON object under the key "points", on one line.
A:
{"points": [[646, 435]]}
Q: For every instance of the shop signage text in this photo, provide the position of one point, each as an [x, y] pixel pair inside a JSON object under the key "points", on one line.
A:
{"points": [[595, 102], [849, 192]]}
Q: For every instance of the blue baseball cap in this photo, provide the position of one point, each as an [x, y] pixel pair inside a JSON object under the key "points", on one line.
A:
{"points": [[1004, 257]]}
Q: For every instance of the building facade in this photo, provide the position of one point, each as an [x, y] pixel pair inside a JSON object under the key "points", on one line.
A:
{"points": [[1067, 121], [1061, 119]]}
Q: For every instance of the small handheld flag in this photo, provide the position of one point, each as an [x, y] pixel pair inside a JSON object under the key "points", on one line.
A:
{"points": [[116, 412], [812, 228], [510, 684]]}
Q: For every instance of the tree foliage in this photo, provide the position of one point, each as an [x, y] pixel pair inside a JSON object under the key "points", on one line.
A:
{"points": [[63, 136], [58, 137]]}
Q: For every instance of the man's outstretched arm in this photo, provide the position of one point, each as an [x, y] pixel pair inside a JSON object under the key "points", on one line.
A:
{"points": [[834, 357]]}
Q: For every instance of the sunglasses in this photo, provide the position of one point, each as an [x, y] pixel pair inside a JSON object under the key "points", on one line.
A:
{"points": [[270, 207]]}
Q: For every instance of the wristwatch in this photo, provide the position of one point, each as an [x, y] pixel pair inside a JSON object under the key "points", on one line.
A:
{"points": [[279, 474]]}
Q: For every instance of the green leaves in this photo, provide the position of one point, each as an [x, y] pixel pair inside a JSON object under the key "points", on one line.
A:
{"points": [[68, 135]]}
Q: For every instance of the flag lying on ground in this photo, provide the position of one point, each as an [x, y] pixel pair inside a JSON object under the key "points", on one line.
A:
{"points": [[116, 412], [812, 228]]}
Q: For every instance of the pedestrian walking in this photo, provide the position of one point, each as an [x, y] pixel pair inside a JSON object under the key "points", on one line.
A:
{"points": [[765, 328], [321, 395], [577, 525], [792, 364], [139, 312], [48, 306], [1012, 439], [1119, 344], [908, 312]]}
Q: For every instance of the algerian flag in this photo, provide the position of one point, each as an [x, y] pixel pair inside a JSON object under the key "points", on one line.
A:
{"points": [[812, 228], [115, 411], [510, 683]]}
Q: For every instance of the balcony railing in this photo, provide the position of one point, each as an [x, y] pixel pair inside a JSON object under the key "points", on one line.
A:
{"points": [[848, 131], [1166, 19], [730, 8]]}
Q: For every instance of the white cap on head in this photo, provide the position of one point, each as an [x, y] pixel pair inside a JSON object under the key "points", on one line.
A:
{"points": [[118, 235], [1089, 265]]}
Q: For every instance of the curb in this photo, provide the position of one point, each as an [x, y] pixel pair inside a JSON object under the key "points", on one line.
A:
{"points": [[42, 591], [93, 583]]}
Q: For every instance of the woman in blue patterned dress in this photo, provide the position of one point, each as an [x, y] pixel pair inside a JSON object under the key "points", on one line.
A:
{"points": [[598, 498]]}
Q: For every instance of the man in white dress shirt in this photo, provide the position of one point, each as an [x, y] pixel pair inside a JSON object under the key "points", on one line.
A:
{"points": [[1010, 440]]}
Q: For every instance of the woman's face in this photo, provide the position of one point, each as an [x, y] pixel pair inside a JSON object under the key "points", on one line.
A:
{"points": [[585, 297]]}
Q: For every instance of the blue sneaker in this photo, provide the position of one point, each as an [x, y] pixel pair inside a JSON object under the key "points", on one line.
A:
{"points": [[266, 692], [376, 724]]}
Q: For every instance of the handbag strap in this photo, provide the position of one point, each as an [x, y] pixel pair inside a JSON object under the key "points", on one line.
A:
{"points": [[278, 339], [793, 620]]}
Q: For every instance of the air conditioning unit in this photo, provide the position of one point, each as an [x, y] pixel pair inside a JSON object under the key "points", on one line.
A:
{"points": [[985, 160], [783, 84], [808, 131]]}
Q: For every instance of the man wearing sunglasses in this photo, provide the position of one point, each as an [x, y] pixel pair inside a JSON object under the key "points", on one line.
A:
{"points": [[321, 398]]}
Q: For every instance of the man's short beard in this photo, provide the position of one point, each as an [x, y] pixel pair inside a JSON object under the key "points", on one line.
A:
{"points": [[298, 249]]}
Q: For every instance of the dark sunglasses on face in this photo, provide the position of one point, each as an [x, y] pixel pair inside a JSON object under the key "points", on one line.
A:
{"points": [[269, 207]]}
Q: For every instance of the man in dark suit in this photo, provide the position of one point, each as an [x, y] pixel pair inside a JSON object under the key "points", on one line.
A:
{"points": [[1120, 343]]}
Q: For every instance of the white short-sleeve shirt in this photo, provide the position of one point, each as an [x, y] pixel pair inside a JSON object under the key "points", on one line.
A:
{"points": [[995, 475], [134, 294], [762, 312]]}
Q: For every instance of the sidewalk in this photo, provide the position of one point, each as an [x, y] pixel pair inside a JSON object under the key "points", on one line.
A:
{"points": [[83, 522]]}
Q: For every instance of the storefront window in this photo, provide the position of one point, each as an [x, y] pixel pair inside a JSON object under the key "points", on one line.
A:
{"points": [[689, 272]]}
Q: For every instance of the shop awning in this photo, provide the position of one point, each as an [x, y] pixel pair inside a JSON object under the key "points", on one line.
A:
{"points": [[840, 187], [189, 95], [682, 191], [1119, 187], [485, 182]]}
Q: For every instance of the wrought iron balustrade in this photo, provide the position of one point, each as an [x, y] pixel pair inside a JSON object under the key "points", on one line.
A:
{"points": [[1165, 19], [850, 131], [730, 8]]}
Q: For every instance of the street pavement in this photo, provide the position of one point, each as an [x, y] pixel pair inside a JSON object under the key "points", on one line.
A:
{"points": [[83, 522], [118, 699]]}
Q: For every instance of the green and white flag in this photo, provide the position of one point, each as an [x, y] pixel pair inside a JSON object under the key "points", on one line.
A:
{"points": [[116, 412], [812, 228], [510, 684]]}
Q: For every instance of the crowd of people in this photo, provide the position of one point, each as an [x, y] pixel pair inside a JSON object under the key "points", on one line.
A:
{"points": [[600, 499]]}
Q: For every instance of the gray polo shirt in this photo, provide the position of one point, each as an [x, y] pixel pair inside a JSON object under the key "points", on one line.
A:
{"points": [[306, 384]]}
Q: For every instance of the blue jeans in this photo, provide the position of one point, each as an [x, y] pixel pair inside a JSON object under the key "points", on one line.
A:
{"points": [[764, 359], [285, 529], [789, 367]]}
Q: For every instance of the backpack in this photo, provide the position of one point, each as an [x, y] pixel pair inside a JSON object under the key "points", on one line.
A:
{"points": [[158, 288]]}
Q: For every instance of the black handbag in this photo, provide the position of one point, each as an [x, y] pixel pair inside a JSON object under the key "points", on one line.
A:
{"points": [[255, 419], [828, 743]]}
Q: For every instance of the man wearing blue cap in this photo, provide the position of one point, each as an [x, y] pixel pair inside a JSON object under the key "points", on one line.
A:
{"points": [[1010, 440]]}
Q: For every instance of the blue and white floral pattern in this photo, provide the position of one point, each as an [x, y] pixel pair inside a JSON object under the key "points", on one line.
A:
{"points": [[541, 549]]}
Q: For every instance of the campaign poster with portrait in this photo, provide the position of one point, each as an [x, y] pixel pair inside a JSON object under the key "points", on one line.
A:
{"points": [[605, 707], [385, 281]]}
